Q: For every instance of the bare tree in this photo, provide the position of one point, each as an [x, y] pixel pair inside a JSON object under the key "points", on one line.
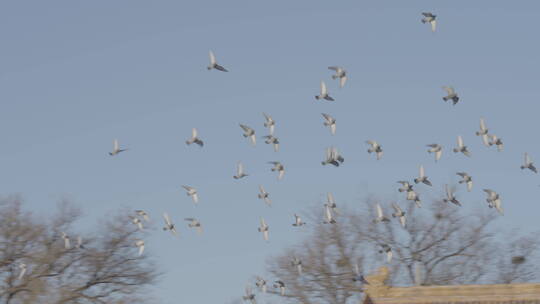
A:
{"points": [[38, 266], [441, 244]]}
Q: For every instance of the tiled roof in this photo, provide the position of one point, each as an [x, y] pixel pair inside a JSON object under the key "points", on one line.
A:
{"points": [[379, 293]]}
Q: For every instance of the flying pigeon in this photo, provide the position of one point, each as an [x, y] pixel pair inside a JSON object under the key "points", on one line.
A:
{"points": [[143, 214], [375, 147], [264, 195], [437, 149], [116, 148], [399, 213], [270, 123], [169, 225], [298, 221], [135, 220], [467, 179], [483, 132], [332, 157], [249, 132], [380, 215], [261, 284], [279, 284], [22, 271], [415, 197], [494, 200], [358, 277], [451, 95], [194, 139], [330, 121], [249, 296], [494, 140], [331, 203], [271, 139], [405, 186], [324, 93], [296, 262], [65, 237], [328, 217], [386, 249], [450, 197], [279, 168], [340, 73], [461, 147], [190, 191], [239, 171], [422, 178], [140, 245], [430, 18], [213, 63], [194, 223], [528, 164], [264, 229]]}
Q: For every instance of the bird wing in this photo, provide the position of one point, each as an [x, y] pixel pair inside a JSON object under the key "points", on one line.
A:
{"points": [[342, 81], [379, 211], [422, 173], [116, 146], [327, 117], [239, 169], [246, 128], [261, 189], [265, 235], [482, 125], [281, 173], [402, 220], [448, 191], [333, 68], [188, 188], [268, 117], [460, 141], [356, 269], [372, 143], [433, 25], [396, 208], [438, 155], [449, 90], [194, 133], [263, 223], [167, 219], [330, 198], [469, 185], [23, 271], [324, 91], [333, 128], [141, 248], [195, 197], [527, 159], [212, 58]]}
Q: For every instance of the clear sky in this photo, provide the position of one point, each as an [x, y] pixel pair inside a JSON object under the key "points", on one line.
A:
{"points": [[76, 74]]}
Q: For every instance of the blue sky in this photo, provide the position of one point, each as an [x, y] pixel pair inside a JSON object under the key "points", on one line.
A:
{"points": [[76, 75]]}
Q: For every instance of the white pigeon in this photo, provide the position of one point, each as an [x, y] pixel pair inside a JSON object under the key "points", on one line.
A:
{"points": [[494, 140], [399, 213], [261, 284], [22, 271], [461, 147], [67, 244], [388, 250], [190, 191], [483, 132], [422, 178], [264, 195], [214, 64], [140, 245], [249, 132], [279, 168], [298, 221], [330, 122], [116, 148], [279, 284], [143, 214], [194, 138], [271, 139], [331, 203], [296, 262], [135, 220], [494, 200], [324, 93], [380, 216], [239, 171], [437, 149], [430, 18], [250, 296], [194, 223], [528, 164], [467, 179], [415, 197], [269, 123], [341, 73], [375, 147], [328, 217], [450, 197], [333, 157], [169, 225], [264, 229], [452, 95]]}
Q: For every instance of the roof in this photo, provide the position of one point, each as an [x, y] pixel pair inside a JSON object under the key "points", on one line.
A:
{"points": [[379, 293]]}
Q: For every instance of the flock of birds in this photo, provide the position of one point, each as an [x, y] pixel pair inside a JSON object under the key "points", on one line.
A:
{"points": [[332, 157]]}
